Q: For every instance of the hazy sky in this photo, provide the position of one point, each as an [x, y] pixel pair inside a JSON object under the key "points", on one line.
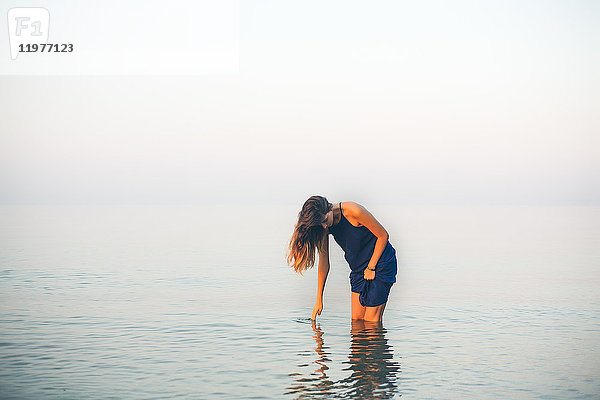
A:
{"points": [[377, 102]]}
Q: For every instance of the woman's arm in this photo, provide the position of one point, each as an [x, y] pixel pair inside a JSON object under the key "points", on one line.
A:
{"points": [[322, 276], [364, 217]]}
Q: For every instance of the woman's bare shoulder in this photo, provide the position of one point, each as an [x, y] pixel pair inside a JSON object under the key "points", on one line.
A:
{"points": [[354, 212], [352, 208]]}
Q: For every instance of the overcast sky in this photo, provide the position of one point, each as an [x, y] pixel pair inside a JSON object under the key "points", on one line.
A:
{"points": [[417, 102]]}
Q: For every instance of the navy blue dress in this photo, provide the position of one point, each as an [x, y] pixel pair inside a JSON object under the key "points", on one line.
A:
{"points": [[358, 244]]}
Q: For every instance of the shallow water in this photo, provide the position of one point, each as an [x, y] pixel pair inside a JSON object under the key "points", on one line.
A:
{"points": [[196, 302]]}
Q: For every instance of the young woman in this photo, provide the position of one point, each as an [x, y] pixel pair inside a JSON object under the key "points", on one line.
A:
{"points": [[371, 257]]}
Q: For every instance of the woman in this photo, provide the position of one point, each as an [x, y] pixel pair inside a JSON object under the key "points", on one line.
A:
{"points": [[371, 257]]}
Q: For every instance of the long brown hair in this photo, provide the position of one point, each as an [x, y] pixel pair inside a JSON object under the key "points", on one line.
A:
{"points": [[308, 233]]}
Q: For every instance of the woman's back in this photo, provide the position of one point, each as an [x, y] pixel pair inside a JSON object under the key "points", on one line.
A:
{"points": [[358, 243]]}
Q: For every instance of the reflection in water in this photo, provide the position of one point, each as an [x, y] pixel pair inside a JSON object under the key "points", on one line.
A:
{"points": [[318, 383], [373, 370]]}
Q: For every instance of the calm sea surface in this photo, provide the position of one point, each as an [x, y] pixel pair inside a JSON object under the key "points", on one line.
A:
{"points": [[197, 302]]}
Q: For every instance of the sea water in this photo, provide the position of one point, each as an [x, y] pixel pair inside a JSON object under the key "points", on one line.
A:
{"points": [[161, 302]]}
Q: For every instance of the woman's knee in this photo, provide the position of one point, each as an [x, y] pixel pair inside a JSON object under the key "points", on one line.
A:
{"points": [[358, 316], [358, 312], [374, 314]]}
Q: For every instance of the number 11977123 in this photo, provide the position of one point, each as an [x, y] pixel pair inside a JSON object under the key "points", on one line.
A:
{"points": [[46, 47]]}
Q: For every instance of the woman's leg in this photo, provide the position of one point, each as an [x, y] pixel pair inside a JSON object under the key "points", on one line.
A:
{"points": [[374, 314], [358, 310]]}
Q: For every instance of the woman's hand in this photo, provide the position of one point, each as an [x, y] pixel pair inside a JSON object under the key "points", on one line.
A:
{"points": [[317, 310], [369, 275]]}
